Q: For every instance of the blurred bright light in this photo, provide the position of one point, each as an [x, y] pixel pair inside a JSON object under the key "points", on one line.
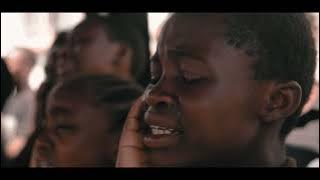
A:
{"points": [[155, 22], [36, 77]]}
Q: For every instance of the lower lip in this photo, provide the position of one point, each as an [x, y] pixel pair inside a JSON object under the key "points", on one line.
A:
{"points": [[161, 141]]}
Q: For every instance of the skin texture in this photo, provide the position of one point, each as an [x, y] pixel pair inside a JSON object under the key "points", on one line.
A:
{"points": [[93, 51], [66, 140], [207, 89]]}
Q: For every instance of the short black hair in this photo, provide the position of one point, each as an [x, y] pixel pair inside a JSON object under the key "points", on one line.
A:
{"points": [[131, 29], [283, 45], [112, 93]]}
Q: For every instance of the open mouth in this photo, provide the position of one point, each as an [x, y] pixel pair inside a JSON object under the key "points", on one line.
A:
{"points": [[161, 137], [161, 127], [158, 130]]}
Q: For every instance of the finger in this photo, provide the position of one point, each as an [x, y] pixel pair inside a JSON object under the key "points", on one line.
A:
{"points": [[131, 149]]}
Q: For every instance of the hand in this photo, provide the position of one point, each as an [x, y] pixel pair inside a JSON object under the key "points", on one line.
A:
{"points": [[131, 152]]}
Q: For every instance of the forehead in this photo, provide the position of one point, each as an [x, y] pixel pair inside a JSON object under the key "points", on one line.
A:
{"points": [[195, 30], [67, 99], [71, 108]]}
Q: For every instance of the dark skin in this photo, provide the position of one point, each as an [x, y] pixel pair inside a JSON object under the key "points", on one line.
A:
{"points": [[90, 51], [62, 61], [225, 117], [94, 52], [77, 134]]}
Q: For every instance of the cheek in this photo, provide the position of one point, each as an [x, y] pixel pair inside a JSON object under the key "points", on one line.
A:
{"points": [[79, 152], [218, 119], [97, 144], [68, 151]]}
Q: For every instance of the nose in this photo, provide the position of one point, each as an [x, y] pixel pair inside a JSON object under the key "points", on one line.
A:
{"points": [[157, 98]]}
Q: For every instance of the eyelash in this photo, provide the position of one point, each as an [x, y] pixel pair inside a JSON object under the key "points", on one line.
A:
{"points": [[186, 78]]}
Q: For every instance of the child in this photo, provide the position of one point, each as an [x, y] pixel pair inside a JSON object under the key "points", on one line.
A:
{"points": [[116, 44], [83, 121], [56, 59], [225, 90]]}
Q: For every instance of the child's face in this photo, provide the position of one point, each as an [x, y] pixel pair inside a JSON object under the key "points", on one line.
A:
{"points": [[76, 134], [92, 48], [212, 88]]}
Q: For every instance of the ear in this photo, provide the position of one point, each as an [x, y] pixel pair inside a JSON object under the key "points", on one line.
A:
{"points": [[281, 100], [123, 59]]}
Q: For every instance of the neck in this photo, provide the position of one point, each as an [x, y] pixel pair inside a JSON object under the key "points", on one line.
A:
{"points": [[267, 150], [263, 154]]}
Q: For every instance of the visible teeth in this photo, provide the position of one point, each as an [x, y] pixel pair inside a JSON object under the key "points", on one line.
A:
{"points": [[156, 130], [159, 127]]}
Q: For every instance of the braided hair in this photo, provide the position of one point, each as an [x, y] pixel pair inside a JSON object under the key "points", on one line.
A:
{"points": [[106, 91], [131, 29]]}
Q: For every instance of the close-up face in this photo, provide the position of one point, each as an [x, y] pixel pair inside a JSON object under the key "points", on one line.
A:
{"points": [[202, 98], [92, 48], [76, 134]]}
